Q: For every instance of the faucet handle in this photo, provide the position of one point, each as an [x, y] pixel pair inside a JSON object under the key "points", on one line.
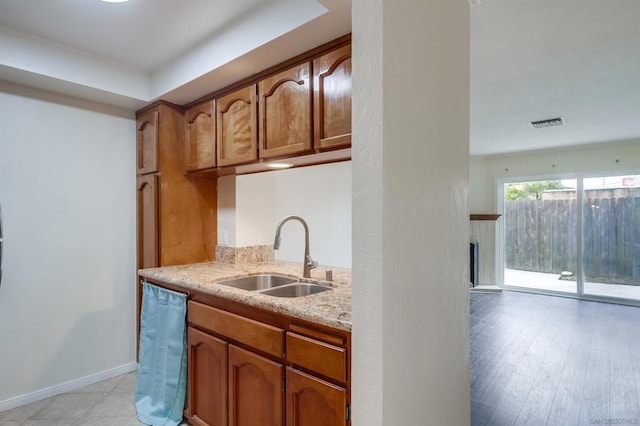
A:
{"points": [[311, 263]]}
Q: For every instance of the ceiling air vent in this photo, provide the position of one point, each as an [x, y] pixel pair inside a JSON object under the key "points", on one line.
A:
{"points": [[558, 121]]}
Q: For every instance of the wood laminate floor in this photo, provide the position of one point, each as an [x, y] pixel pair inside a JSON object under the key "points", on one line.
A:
{"points": [[544, 360]]}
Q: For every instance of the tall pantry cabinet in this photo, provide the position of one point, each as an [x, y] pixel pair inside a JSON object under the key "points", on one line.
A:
{"points": [[176, 213]]}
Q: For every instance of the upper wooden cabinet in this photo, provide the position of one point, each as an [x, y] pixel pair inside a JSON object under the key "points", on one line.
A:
{"points": [[176, 213], [236, 120], [301, 110], [147, 142], [285, 112], [200, 149], [332, 99]]}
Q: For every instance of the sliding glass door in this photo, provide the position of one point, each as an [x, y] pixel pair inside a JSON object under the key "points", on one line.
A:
{"points": [[578, 236], [540, 246], [611, 237]]}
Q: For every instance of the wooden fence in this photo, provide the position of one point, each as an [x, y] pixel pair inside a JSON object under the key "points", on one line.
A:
{"points": [[541, 236]]}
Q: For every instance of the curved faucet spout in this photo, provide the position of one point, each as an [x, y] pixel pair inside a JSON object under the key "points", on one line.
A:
{"points": [[308, 262]]}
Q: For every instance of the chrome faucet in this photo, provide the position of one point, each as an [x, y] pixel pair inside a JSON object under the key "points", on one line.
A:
{"points": [[308, 262]]}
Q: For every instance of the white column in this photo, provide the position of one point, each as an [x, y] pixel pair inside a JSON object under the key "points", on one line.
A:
{"points": [[410, 215]]}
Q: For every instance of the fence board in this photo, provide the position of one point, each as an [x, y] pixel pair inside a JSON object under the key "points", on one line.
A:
{"points": [[541, 237]]}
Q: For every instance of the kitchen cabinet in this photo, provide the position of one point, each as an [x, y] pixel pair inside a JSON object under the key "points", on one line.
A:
{"points": [[147, 220], [312, 401], [176, 214], [200, 147], [277, 370], [237, 127], [300, 108], [241, 385], [180, 209], [147, 142], [285, 112], [207, 381], [332, 99], [311, 398], [255, 389]]}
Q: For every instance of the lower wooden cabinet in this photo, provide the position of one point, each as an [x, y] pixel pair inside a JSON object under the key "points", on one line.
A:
{"points": [[255, 389], [314, 402], [228, 385], [207, 379], [246, 372]]}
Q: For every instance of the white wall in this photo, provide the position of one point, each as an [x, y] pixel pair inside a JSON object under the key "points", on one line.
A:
{"points": [[614, 158], [255, 205], [410, 215], [484, 232], [250, 207], [322, 196], [67, 188], [227, 211], [479, 182]]}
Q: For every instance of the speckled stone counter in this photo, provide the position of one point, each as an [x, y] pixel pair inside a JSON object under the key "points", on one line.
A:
{"points": [[329, 308]]}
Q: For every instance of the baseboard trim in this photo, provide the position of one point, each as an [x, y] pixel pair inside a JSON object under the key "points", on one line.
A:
{"points": [[69, 386], [486, 288]]}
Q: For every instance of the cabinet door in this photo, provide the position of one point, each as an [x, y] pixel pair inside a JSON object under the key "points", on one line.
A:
{"points": [[147, 221], [314, 402], [207, 383], [236, 121], [255, 389], [200, 149], [332, 99], [147, 142], [285, 112]]}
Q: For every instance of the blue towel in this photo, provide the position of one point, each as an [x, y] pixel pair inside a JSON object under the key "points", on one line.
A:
{"points": [[162, 370]]}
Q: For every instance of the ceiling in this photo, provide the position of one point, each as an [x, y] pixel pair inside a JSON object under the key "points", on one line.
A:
{"points": [[530, 59], [539, 59], [130, 54]]}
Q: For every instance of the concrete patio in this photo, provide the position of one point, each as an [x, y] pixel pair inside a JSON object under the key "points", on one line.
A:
{"points": [[543, 281]]}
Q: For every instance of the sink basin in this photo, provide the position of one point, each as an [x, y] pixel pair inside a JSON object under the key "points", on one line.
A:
{"points": [[295, 290], [258, 282]]}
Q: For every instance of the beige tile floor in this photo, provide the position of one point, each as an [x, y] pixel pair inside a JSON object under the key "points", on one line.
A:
{"points": [[106, 403]]}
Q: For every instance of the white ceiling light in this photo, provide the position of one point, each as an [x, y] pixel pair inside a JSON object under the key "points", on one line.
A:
{"points": [[279, 165], [114, 1]]}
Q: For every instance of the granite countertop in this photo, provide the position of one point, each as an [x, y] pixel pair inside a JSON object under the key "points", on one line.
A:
{"points": [[328, 308]]}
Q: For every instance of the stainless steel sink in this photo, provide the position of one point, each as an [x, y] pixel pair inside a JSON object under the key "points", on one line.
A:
{"points": [[258, 282], [295, 290]]}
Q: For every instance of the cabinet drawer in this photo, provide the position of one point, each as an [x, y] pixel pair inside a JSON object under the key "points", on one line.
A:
{"points": [[260, 336], [320, 357]]}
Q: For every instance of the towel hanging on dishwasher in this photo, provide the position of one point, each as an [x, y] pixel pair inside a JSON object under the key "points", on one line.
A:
{"points": [[162, 367]]}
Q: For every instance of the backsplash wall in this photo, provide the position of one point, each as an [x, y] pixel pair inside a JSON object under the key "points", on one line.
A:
{"points": [[250, 207]]}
